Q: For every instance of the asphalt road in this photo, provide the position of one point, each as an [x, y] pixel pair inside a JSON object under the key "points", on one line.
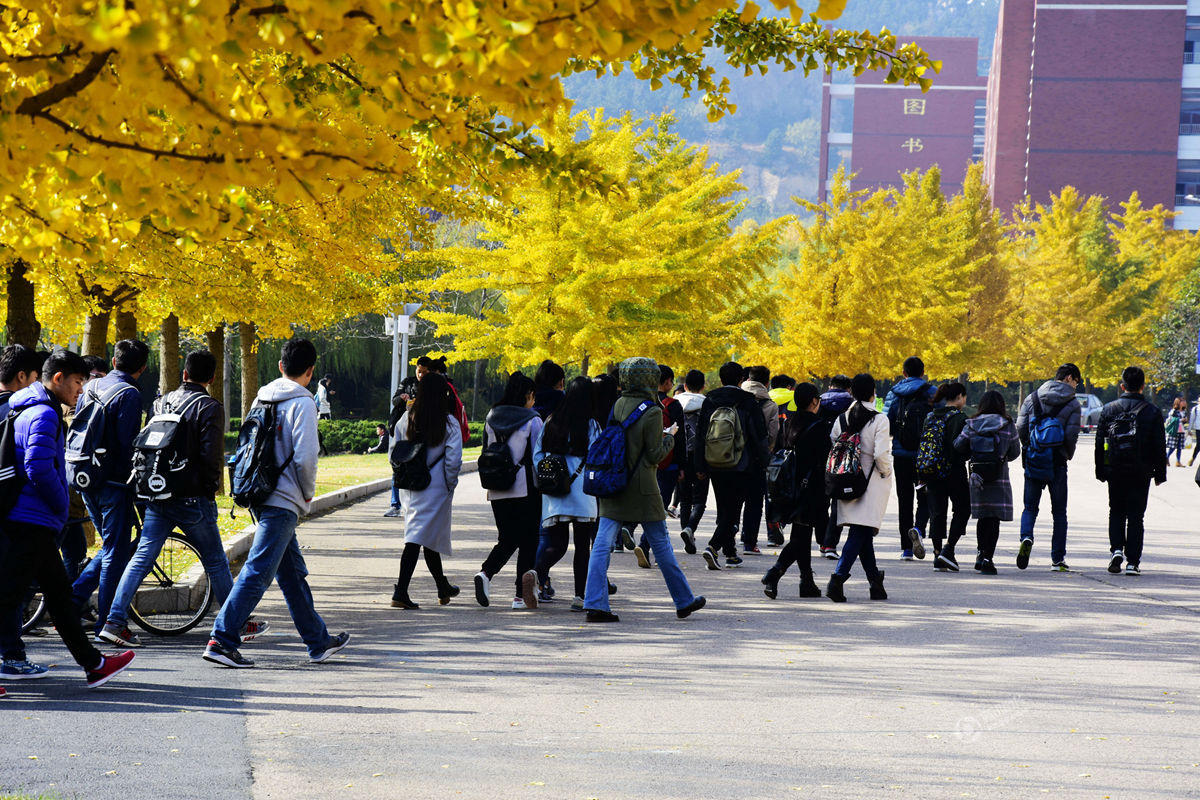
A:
{"points": [[1026, 684]]}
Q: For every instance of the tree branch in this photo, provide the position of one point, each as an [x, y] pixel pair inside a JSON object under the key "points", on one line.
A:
{"points": [[36, 104]]}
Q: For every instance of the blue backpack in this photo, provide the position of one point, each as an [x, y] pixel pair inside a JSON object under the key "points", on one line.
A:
{"points": [[604, 473], [1046, 435]]}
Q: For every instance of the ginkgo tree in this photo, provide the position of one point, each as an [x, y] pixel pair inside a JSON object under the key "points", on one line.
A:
{"points": [[654, 267]]}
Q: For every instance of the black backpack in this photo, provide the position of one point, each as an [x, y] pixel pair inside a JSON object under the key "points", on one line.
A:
{"points": [[253, 472], [163, 450], [410, 471], [497, 470], [1122, 444], [12, 475], [553, 476], [86, 440], [911, 418]]}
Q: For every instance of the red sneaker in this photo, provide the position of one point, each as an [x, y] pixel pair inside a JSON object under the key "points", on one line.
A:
{"points": [[3, 692], [112, 666]]}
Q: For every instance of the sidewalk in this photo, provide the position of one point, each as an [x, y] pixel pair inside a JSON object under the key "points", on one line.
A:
{"points": [[1029, 683]]}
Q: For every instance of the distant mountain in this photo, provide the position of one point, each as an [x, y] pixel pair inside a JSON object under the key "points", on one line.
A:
{"points": [[773, 137]]}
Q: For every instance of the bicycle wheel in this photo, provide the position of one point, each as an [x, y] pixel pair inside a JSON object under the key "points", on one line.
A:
{"points": [[176, 593], [33, 612]]}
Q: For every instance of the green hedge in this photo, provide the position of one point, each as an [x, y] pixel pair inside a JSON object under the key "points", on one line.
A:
{"points": [[349, 436]]}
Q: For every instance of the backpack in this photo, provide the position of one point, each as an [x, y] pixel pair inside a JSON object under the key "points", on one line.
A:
{"points": [[410, 471], [86, 448], [933, 460], [1046, 435], [604, 473], [691, 427], [553, 476], [986, 459], [844, 476], [670, 457], [1122, 445], [253, 473], [12, 474], [161, 452], [497, 470], [785, 485], [724, 440], [909, 421]]}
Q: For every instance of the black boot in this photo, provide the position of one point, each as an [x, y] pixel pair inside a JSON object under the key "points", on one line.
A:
{"points": [[834, 590], [446, 591], [808, 587], [877, 592], [770, 583], [400, 599]]}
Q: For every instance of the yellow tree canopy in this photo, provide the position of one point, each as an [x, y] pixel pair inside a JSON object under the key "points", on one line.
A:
{"points": [[653, 267]]}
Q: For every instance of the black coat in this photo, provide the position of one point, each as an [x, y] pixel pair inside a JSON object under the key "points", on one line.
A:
{"points": [[808, 435], [1152, 437], [205, 420], [754, 427]]}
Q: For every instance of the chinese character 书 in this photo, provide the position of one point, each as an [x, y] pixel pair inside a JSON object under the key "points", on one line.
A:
{"points": [[913, 145]]}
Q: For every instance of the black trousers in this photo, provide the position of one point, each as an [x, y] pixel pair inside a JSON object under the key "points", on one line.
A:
{"points": [[518, 523], [693, 495], [30, 553], [730, 489], [833, 531], [1127, 497], [987, 533], [798, 550], [906, 488], [953, 492], [557, 538], [408, 564], [752, 511]]}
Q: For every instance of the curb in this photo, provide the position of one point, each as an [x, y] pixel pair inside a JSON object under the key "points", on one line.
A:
{"points": [[239, 545]]}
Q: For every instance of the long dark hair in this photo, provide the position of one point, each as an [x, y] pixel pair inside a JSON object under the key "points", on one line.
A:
{"points": [[862, 389], [800, 421], [992, 402], [427, 417], [516, 391], [606, 394], [567, 428]]}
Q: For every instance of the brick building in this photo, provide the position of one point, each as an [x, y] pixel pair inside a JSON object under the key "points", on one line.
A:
{"points": [[1099, 95], [880, 131]]}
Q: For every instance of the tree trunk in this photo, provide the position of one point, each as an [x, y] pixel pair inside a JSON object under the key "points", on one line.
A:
{"points": [[168, 355], [126, 325], [95, 335], [585, 364], [215, 340], [249, 365], [480, 366], [22, 325]]}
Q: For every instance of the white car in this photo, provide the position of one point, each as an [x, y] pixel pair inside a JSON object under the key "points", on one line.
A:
{"points": [[1090, 407]]}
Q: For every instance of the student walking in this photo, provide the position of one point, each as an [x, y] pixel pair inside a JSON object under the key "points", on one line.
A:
{"points": [[834, 402], [275, 553], [187, 501], [117, 413], [863, 516], [944, 471], [731, 445], [1194, 427], [807, 436], [990, 441], [669, 469], [640, 501], [1049, 428], [564, 441], [1129, 454], [782, 389], [506, 471], [1177, 430], [693, 485], [756, 485], [28, 551], [906, 407], [427, 512]]}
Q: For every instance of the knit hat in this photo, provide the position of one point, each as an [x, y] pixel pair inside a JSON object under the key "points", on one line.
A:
{"points": [[639, 375]]}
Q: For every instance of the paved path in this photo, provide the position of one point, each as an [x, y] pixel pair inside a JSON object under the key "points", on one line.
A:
{"points": [[1030, 683]]}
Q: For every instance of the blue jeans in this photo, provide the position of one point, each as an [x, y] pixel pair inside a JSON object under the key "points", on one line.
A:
{"points": [[274, 556], [596, 593], [395, 496], [196, 517], [111, 510], [668, 479], [1058, 510], [860, 545]]}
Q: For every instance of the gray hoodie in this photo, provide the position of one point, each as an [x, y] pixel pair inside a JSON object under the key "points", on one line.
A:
{"points": [[691, 401], [1057, 398], [769, 409], [297, 415]]}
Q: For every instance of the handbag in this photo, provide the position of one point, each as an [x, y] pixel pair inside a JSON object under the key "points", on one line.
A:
{"points": [[553, 477]]}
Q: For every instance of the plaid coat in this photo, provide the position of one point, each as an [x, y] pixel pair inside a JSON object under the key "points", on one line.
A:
{"points": [[991, 499]]}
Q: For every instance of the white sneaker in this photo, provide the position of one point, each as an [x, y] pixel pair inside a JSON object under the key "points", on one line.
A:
{"points": [[483, 589], [577, 603], [519, 604]]}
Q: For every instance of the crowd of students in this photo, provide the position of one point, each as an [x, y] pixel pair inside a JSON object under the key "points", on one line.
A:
{"points": [[588, 463]]}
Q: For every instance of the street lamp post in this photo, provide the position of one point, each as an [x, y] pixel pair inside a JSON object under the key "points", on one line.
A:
{"points": [[401, 326]]}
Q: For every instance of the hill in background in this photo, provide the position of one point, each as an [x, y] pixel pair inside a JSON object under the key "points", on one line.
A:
{"points": [[773, 138]]}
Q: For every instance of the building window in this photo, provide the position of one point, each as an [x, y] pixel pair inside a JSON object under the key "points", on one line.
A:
{"points": [[839, 155], [841, 114], [980, 128], [1187, 183]]}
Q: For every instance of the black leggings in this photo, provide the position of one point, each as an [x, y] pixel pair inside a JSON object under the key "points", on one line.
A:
{"points": [[951, 493], [518, 523], [408, 565], [798, 550], [557, 537], [987, 532]]}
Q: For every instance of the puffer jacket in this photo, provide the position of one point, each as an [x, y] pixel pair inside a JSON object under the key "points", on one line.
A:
{"points": [[834, 403], [41, 444], [905, 389]]}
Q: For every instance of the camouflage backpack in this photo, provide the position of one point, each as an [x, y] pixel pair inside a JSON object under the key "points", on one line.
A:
{"points": [[933, 462]]}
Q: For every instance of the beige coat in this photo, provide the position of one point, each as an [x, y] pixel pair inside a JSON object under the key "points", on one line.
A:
{"points": [[876, 461]]}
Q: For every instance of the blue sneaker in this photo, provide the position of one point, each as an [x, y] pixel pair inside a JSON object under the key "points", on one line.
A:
{"points": [[22, 670], [906, 555]]}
